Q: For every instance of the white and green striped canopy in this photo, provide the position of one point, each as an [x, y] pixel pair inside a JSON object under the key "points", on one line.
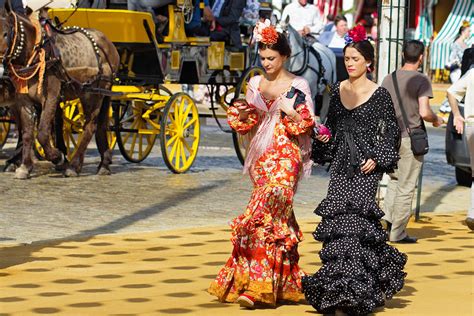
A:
{"points": [[441, 46], [424, 29]]}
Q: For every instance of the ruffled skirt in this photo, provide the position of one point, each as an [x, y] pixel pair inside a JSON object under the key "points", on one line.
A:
{"points": [[360, 270], [264, 260]]}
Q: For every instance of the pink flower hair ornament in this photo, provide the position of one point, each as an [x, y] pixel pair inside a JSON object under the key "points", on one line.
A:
{"points": [[357, 34], [265, 32]]}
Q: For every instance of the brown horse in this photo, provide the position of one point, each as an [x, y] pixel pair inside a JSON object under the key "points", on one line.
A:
{"points": [[49, 66]]}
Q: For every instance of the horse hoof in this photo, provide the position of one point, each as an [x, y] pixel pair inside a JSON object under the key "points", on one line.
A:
{"points": [[21, 173], [104, 172], [69, 173]]}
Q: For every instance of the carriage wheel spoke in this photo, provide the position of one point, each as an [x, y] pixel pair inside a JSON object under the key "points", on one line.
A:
{"points": [[186, 113], [178, 154], [171, 140], [173, 150], [191, 122], [183, 155], [188, 147], [132, 145]]}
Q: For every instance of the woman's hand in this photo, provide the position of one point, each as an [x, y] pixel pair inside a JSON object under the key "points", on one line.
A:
{"points": [[368, 166], [244, 109], [286, 106], [459, 123], [323, 138]]}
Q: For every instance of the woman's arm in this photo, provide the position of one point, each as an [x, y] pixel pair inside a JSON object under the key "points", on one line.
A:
{"points": [[387, 142]]}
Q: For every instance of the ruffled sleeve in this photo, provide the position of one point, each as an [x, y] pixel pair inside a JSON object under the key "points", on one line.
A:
{"points": [[244, 126], [387, 142], [301, 127], [324, 152], [241, 126]]}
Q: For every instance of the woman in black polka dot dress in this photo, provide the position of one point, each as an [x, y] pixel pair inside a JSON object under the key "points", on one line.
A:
{"points": [[360, 270]]}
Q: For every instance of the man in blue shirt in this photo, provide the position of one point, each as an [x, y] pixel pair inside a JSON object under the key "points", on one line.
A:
{"points": [[200, 26]]}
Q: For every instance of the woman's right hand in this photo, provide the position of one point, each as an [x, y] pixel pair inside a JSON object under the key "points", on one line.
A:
{"points": [[323, 138], [244, 109]]}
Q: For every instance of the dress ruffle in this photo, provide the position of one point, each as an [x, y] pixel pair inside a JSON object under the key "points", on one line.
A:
{"points": [[359, 268], [264, 262]]}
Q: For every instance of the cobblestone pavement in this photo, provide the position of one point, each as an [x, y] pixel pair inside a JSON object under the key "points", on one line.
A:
{"points": [[147, 197]]}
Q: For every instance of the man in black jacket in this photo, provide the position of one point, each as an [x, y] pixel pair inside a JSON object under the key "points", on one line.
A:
{"points": [[227, 23]]}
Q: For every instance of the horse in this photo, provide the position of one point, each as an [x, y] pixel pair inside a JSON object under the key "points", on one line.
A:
{"points": [[49, 66], [316, 63]]}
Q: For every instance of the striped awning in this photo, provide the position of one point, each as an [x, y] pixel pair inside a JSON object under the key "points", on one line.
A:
{"points": [[441, 46], [424, 27]]}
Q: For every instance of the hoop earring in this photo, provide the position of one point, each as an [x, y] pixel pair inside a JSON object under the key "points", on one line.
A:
{"points": [[368, 68]]}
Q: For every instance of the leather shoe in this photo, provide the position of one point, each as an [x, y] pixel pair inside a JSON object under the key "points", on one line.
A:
{"points": [[407, 240], [470, 222]]}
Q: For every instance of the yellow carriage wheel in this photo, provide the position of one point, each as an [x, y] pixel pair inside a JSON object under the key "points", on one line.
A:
{"points": [[111, 135], [73, 124], [4, 130], [180, 132], [135, 136], [240, 144]]}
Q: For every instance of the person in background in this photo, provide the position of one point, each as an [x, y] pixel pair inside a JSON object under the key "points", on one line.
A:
{"points": [[18, 6], [457, 50], [415, 92], [464, 89], [336, 42], [330, 25], [335, 39], [373, 29], [303, 17], [200, 25], [225, 26]]}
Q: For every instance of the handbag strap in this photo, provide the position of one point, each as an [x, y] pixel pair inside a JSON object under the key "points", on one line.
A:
{"points": [[400, 103]]}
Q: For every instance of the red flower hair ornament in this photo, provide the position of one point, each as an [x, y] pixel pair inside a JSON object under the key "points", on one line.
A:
{"points": [[357, 34], [265, 32]]}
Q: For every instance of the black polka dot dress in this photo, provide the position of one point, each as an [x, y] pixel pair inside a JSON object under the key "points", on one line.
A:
{"points": [[359, 268]]}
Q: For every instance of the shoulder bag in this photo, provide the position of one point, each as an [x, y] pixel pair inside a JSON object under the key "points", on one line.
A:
{"points": [[418, 136]]}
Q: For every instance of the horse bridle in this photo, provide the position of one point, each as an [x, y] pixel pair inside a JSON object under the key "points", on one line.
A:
{"points": [[15, 39]]}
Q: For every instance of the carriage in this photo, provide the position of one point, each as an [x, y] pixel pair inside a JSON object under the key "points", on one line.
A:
{"points": [[141, 108]]}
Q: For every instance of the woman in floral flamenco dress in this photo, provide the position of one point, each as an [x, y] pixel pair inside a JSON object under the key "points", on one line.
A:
{"points": [[263, 267], [360, 270]]}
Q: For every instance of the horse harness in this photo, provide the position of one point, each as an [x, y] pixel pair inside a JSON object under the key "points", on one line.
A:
{"points": [[46, 56], [307, 50]]}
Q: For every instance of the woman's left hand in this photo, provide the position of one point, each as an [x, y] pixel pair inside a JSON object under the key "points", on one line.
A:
{"points": [[286, 105], [368, 166]]}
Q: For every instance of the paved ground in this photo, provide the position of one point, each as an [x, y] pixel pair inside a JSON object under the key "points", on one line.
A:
{"points": [[146, 241], [165, 273], [147, 197]]}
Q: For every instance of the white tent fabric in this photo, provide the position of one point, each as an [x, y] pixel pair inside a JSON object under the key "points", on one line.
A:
{"points": [[441, 46], [424, 29]]}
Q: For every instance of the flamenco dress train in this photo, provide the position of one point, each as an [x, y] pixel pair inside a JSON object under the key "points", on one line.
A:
{"points": [[360, 270]]}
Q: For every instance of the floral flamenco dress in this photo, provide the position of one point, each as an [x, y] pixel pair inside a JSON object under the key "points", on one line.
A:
{"points": [[360, 270], [264, 260]]}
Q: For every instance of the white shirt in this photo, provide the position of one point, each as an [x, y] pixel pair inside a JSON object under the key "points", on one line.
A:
{"points": [[337, 41], [303, 16], [464, 88]]}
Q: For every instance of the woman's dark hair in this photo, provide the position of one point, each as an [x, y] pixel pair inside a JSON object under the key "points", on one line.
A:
{"points": [[281, 46], [412, 50], [339, 18], [365, 49]]}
